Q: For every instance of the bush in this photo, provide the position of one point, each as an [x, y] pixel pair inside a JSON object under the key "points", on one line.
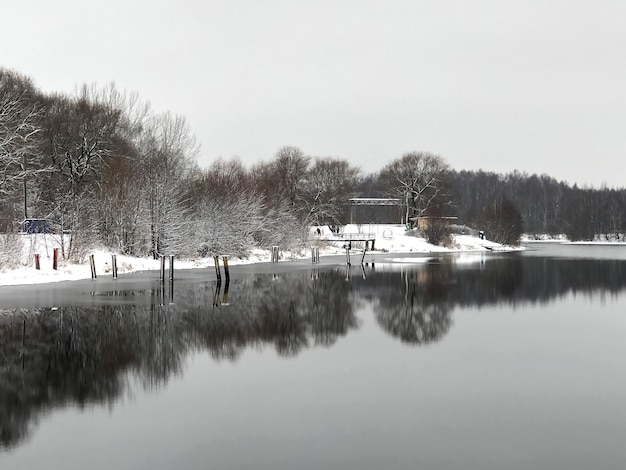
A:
{"points": [[503, 223], [10, 250]]}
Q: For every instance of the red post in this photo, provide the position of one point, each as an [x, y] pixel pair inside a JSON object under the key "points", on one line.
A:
{"points": [[37, 261], [55, 258]]}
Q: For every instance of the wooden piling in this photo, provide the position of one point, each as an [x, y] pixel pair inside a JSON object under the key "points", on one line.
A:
{"points": [[226, 271], [216, 260], [114, 266], [92, 263]]}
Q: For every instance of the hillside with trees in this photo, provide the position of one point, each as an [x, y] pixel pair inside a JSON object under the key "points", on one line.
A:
{"points": [[110, 171]]}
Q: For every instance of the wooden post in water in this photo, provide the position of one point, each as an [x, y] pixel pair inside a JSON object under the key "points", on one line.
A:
{"points": [[171, 267], [37, 266], [55, 258], [92, 263], [348, 256], [363, 257], [162, 271], [226, 272], [274, 254], [114, 266], [216, 260]]}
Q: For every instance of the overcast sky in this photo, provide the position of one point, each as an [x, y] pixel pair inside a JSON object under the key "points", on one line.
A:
{"points": [[533, 85]]}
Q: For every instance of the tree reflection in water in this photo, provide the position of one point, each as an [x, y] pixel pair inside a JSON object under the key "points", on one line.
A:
{"points": [[89, 355], [415, 306]]}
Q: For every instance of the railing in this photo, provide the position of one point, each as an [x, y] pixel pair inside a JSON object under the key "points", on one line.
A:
{"points": [[346, 236]]}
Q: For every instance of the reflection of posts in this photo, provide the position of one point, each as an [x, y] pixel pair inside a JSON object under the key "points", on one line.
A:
{"points": [[162, 292], [226, 272], [172, 291], [216, 295], [23, 343], [225, 297]]}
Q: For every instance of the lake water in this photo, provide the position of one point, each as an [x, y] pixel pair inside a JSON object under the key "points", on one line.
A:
{"points": [[478, 361]]}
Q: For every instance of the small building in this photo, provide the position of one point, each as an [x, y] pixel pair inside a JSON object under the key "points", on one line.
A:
{"points": [[30, 226], [424, 222]]}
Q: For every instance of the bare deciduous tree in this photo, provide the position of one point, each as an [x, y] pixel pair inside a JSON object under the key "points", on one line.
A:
{"points": [[20, 136], [418, 178], [169, 156], [280, 180], [326, 190]]}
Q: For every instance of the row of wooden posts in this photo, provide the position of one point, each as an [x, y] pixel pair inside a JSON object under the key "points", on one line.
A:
{"points": [[55, 260], [315, 257]]}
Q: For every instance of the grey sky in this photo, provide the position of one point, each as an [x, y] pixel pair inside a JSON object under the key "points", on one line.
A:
{"points": [[538, 86]]}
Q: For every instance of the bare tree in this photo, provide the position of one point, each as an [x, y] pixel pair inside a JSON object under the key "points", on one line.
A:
{"points": [[326, 190], [280, 180], [121, 209], [82, 135], [20, 136], [169, 152], [419, 179], [503, 222]]}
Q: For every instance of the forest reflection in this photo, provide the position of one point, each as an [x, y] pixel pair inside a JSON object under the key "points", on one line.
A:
{"points": [[84, 356]]}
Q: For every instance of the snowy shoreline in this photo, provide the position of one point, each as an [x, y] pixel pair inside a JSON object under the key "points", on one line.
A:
{"points": [[394, 241]]}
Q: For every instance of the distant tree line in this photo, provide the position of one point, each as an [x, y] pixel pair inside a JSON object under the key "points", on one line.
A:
{"points": [[546, 205], [109, 170]]}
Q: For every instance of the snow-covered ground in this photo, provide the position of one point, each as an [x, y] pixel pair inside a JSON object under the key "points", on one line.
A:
{"points": [[389, 239]]}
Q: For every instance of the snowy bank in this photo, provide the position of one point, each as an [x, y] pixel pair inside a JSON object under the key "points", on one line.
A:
{"points": [[389, 239]]}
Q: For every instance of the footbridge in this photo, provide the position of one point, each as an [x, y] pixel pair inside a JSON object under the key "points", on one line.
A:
{"points": [[347, 237]]}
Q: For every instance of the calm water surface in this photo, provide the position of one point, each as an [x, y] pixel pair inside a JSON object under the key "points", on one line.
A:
{"points": [[460, 362]]}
